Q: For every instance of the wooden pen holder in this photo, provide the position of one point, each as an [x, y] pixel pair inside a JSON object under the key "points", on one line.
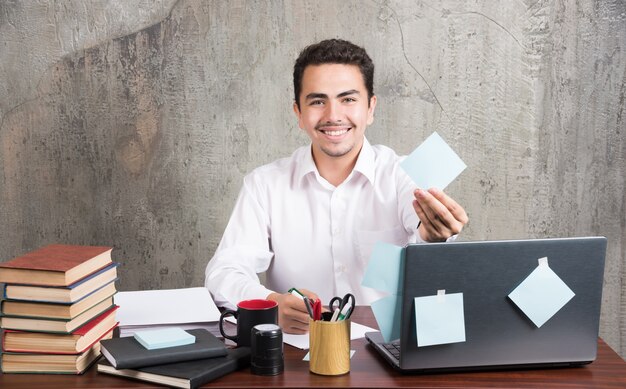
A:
{"points": [[329, 343]]}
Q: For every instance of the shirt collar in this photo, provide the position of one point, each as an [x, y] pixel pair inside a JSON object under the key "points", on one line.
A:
{"points": [[305, 163], [365, 163]]}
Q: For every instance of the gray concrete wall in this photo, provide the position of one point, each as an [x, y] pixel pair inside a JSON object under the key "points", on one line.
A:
{"points": [[132, 123]]}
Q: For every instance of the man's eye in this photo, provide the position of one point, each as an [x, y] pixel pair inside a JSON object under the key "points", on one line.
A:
{"points": [[349, 100], [316, 102]]}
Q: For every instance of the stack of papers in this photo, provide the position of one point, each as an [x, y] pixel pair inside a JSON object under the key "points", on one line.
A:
{"points": [[186, 309]]}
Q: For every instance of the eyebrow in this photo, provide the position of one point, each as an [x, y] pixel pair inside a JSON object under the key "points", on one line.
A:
{"points": [[311, 96]]}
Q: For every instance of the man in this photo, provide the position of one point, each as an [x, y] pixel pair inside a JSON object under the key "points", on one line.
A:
{"points": [[311, 220]]}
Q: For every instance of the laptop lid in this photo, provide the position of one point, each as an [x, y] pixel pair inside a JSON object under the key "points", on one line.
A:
{"points": [[498, 334]]}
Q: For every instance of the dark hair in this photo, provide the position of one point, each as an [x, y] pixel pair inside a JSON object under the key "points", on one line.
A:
{"points": [[334, 51]]}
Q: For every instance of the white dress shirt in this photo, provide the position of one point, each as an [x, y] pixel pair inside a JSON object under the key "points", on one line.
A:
{"points": [[306, 233]]}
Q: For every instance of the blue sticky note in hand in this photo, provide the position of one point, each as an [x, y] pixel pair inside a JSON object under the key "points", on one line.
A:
{"points": [[439, 319], [165, 337], [384, 268], [433, 164], [387, 312], [542, 294]]}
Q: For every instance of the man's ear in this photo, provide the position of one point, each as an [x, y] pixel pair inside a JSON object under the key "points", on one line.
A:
{"points": [[296, 110], [370, 110]]}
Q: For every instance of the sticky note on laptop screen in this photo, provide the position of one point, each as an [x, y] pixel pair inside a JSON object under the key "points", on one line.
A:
{"points": [[388, 314], [384, 268], [439, 319], [162, 338], [542, 294], [433, 164]]}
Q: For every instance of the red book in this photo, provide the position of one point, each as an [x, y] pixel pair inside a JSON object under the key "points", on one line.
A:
{"points": [[55, 265], [79, 341]]}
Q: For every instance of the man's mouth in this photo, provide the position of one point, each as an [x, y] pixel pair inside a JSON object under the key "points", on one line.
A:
{"points": [[334, 132]]}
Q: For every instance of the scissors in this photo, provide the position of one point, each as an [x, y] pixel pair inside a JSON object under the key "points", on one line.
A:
{"points": [[337, 304]]}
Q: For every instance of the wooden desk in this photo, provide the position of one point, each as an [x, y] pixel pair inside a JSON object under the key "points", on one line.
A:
{"points": [[368, 369]]}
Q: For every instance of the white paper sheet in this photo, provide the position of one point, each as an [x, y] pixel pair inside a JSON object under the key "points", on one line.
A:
{"points": [[167, 306], [302, 341]]}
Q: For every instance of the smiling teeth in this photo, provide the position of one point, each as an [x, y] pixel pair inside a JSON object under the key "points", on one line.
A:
{"points": [[335, 133]]}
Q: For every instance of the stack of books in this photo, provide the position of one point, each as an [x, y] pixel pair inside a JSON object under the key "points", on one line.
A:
{"points": [[57, 305], [172, 357]]}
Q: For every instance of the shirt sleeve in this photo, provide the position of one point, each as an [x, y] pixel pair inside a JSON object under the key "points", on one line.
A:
{"points": [[244, 251]]}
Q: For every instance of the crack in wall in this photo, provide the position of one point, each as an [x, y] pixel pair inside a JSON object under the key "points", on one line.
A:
{"points": [[448, 12], [404, 54]]}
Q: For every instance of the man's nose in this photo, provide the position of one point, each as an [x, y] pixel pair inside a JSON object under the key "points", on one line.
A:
{"points": [[333, 112]]}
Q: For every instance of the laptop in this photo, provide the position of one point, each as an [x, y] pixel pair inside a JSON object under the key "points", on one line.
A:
{"points": [[498, 335]]}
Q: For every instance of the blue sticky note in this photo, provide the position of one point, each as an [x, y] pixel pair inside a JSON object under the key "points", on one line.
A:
{"points": [[542, 294], [433, 164], [384, 268], [439, 319], [387, 312], [165, 337]]}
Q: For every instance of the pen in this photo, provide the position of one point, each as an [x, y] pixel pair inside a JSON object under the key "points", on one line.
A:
{"points": [[296, 293], [344, 312], [317, 309], [307, 304], [335, 315]]}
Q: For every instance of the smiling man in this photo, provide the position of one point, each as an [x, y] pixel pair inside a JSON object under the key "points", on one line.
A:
{"points": [[310, 221]]}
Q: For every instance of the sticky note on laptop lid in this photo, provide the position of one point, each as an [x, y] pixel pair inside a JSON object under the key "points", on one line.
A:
{"points": [[439, 319], [542, 294], [433, 164], [165, 337]]}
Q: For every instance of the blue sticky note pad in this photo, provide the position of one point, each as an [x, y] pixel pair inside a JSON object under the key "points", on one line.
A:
{"points": [[433, 164], [439, 319], [387, 312], [542, 294], [162, 338], [384, 268]]}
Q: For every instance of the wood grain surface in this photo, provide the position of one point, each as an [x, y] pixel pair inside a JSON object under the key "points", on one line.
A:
{"points": [[368, 370]]}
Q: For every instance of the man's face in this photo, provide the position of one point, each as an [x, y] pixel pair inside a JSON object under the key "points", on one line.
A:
{"points": [[334, 110]]}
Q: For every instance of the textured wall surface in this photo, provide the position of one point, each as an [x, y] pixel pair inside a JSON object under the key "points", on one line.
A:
{"points": [[132, 123]]}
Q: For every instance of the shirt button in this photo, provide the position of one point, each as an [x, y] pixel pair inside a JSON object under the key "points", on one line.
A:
{"points": [[335, 230]]}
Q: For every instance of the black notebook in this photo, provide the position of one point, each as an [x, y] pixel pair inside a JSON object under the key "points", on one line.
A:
{"points": [[128, 353], [189, 374]]}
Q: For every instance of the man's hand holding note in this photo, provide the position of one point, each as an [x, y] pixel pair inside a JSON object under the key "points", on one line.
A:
{"points": [[432, 165], [441, 217]]}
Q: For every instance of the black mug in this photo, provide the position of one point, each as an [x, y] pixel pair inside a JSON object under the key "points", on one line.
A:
{"points": [[248, 314]]}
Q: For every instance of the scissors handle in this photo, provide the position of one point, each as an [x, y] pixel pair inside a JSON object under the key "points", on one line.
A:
{"points": [[341, 302], [335, 301]]}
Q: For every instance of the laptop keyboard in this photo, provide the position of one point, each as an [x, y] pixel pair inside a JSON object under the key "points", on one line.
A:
{"points": [[393, 348]]}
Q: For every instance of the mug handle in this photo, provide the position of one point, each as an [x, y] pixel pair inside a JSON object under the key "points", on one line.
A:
{"points": [[224, 314]]}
